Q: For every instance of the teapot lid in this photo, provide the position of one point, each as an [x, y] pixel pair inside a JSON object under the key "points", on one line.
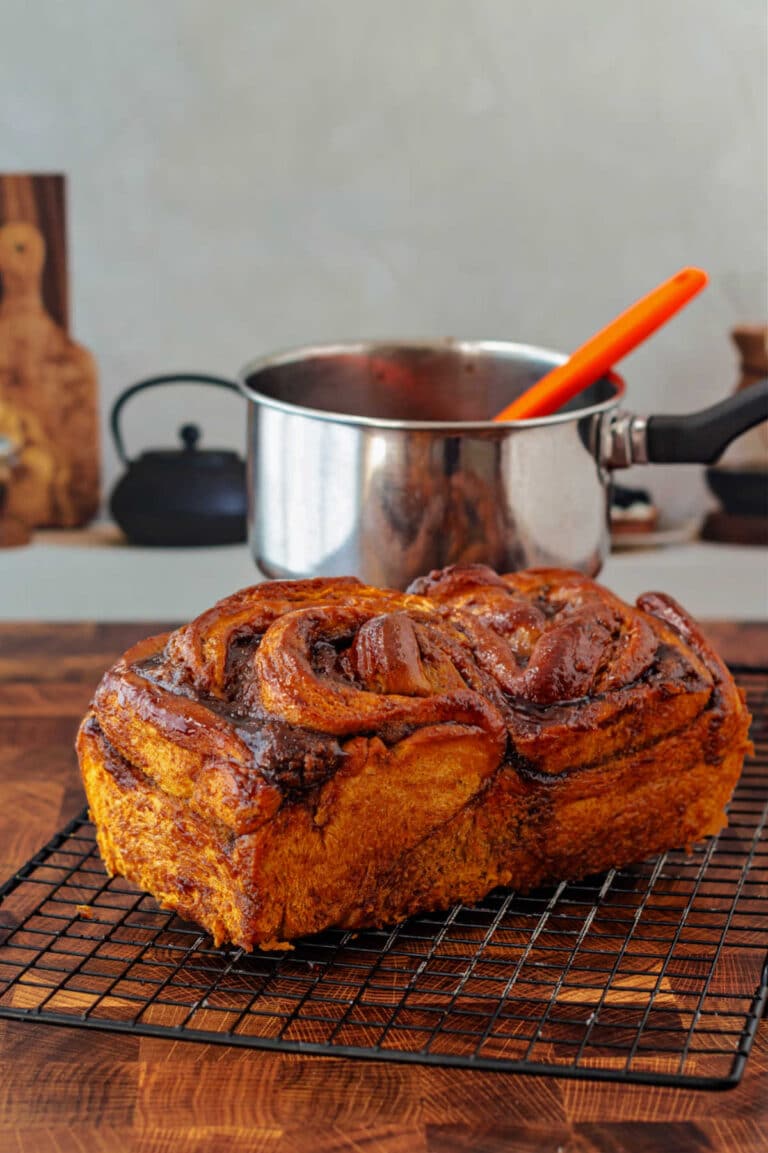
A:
{"points": [[189, 453]]}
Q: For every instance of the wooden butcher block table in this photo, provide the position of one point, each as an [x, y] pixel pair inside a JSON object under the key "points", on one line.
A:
{"points": [[73, 1089]]}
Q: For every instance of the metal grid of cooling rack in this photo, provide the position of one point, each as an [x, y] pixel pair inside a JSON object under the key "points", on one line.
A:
{"points": [[655, 973]]}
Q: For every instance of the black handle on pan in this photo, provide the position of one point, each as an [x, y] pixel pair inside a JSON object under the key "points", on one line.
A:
{"points": [[170, 378], [701, 437]]}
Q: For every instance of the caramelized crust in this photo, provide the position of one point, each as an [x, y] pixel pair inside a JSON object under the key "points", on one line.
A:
{"points": [[316, 753]]}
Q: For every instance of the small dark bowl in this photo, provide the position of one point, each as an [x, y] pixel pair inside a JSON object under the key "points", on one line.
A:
{"points": [[743, 492]]}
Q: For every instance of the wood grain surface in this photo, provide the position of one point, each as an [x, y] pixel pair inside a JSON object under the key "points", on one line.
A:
{"points": [[48, 382], [40, 199], [66, 1090]]}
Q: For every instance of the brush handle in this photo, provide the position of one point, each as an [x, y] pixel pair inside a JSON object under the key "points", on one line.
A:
{"points": [[595, 358]]}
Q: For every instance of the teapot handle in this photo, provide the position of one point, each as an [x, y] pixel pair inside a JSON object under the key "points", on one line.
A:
{"points": [[171, 378]]}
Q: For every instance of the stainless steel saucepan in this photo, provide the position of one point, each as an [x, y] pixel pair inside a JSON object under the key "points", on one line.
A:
{"points": [[380, 460]]}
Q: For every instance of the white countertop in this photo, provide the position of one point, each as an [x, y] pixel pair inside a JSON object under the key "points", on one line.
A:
{"points": [[92, 575]]}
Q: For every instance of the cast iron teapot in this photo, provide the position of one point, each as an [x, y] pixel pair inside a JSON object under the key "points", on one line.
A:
{"points": [[179, 496]]}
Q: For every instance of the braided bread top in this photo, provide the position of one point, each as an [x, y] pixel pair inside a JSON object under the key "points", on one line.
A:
{"points": [[548, 670], [525, 652]]}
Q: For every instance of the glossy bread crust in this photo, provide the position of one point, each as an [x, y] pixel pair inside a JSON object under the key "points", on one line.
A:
{"points": [[316, 753]]}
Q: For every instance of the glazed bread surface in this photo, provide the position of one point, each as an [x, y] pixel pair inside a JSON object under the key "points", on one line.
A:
{"points": [[322, 753]]}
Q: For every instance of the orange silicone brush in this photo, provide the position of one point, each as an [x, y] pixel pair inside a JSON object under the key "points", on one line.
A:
{"points": [[608, 346]]}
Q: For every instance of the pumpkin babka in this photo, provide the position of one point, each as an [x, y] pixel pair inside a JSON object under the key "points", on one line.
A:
{"points": [[321, 753]]}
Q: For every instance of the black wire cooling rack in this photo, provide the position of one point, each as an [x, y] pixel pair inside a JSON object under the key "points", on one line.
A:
{"points": [[655, 973]]}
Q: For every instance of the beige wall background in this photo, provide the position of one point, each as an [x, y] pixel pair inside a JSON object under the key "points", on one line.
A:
{"points": [[252, 174]]}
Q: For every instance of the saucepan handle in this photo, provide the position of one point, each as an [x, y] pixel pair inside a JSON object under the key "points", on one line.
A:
{"points": [[696, 438]]}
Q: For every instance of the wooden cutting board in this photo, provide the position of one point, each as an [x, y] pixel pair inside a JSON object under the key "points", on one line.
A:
{"points": [[48, 382]]}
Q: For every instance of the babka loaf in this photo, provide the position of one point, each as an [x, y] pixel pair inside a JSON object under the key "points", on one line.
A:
{"points": [[321, 753]]}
